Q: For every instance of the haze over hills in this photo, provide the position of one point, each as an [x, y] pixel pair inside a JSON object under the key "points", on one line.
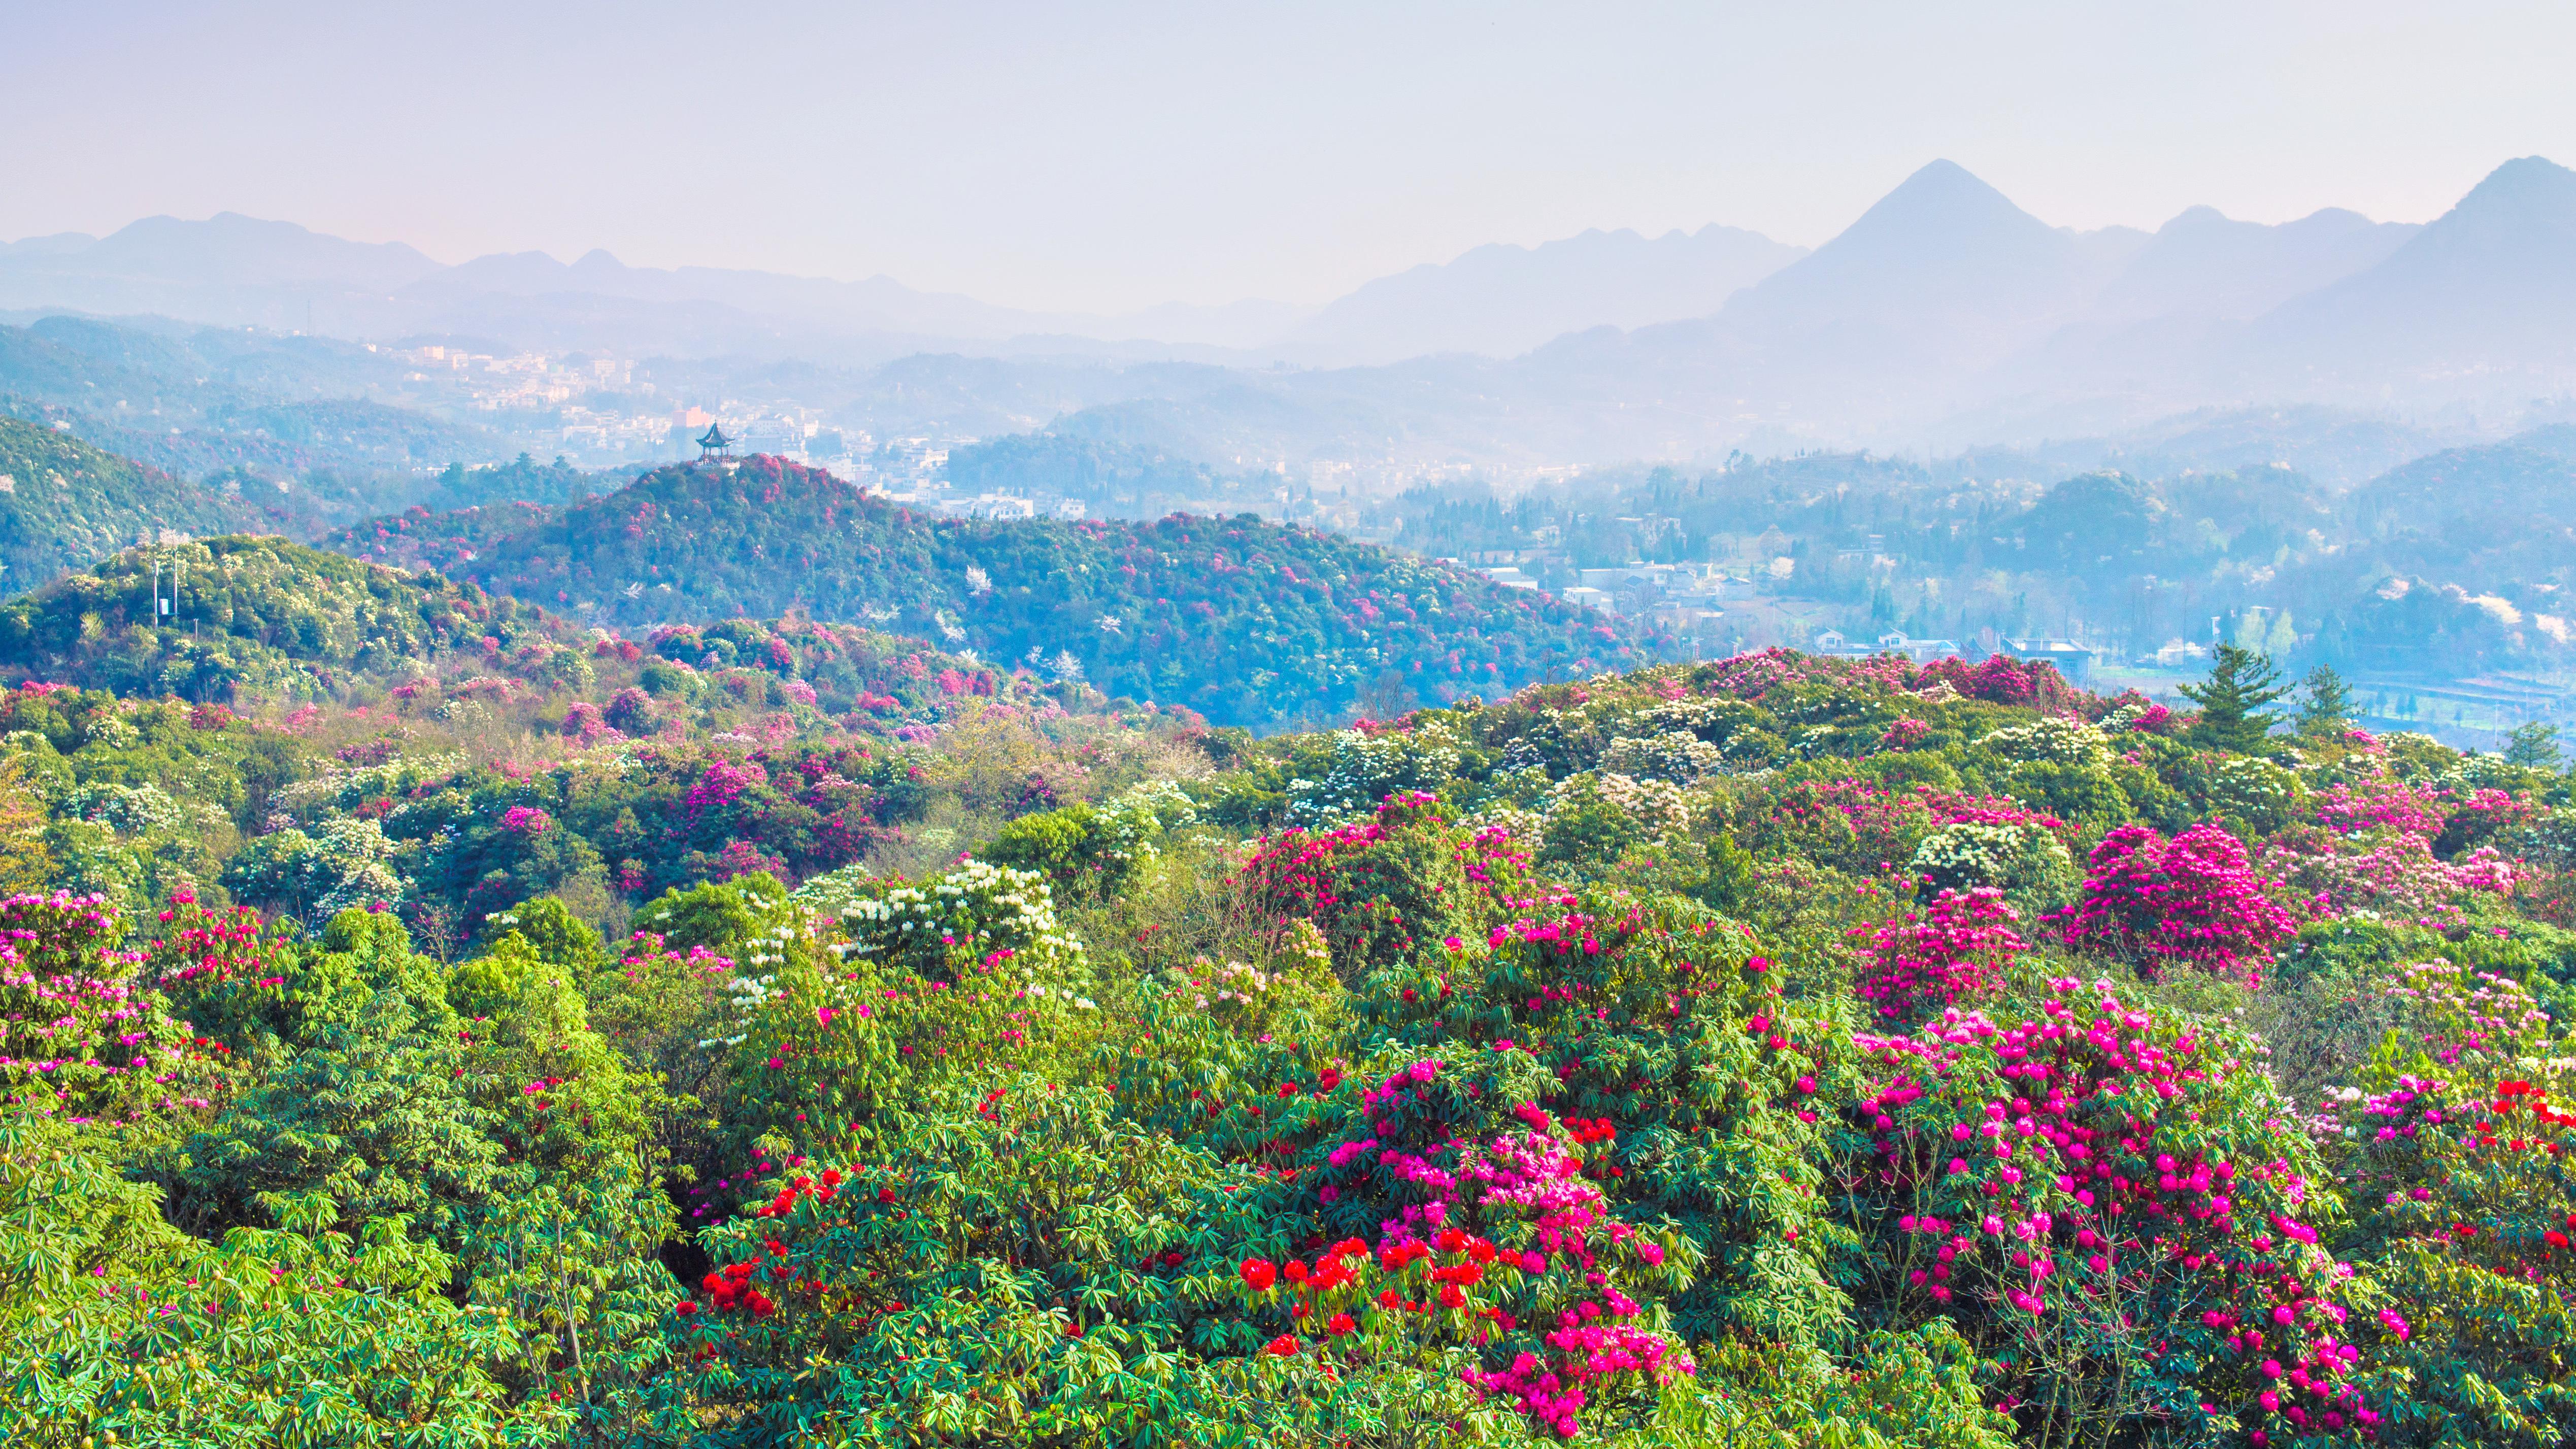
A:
{"points": [[2206, 264], [1944, 317], [1504, 300], [235, 270], [2489, 287]]}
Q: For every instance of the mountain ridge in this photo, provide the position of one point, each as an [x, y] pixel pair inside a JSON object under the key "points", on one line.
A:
{"points": [[1244, 621]]}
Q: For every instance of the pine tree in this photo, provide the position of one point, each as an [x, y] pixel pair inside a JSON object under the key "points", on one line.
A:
{"points": [[2534, 746], [2232, 700], [2328, 706]]}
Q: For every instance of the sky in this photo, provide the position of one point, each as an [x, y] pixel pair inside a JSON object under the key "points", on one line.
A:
{"points": [[1109, 156]]}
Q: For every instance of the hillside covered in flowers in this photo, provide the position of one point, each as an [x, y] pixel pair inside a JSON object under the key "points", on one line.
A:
{"points": [[1844, 1053], [1246, 622]]}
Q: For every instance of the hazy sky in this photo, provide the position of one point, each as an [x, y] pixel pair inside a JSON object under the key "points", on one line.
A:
{"points": [[1111, 155]]}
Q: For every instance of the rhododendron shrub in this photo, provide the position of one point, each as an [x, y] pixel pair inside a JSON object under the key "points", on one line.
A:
{"points": [[843, 1020], [82, 1032], [1850, 825], [2192, 900], [1388, 886], [1628, 1076], [2484, 817], [2458, 1183], [1867, 829], [2003, 679], [2378, 803], [2389, 873], [1502, 1242], [2103, 1195], [1029, 1266], [1956, 950]]}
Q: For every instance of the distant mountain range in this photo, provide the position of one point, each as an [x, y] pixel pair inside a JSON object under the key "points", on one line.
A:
{"points": [[234, 270], [1944, 317], [1502, 301]]}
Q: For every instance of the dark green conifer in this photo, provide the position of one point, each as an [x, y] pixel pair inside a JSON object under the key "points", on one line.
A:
{"points": [[2233, 700]]}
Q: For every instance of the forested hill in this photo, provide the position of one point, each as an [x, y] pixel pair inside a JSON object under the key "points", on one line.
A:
{"points": [[65, 505], [1244, 621], [257, 618]]}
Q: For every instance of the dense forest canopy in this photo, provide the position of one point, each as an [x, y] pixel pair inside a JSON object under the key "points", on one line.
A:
{"points": [[65, 504]]}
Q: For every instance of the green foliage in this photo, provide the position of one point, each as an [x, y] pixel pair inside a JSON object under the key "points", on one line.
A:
{"points": [[253, 618], [1016, 1140], [1242, 621], [69, 505], [2232, 700], [2534, 746], [2325, 705]]}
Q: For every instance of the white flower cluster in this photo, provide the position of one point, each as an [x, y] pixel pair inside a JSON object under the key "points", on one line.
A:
{"points": [[1659, 807], [2118, 721], [1675, 755], [1368, 768], [126, 809], [2253, 787], [1711, 719], [827, 896], [1170, 806], [750, 991], [979, 904], [2050, 740], [1967, 853]]}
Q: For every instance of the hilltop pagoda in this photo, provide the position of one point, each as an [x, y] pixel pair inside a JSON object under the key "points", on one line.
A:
{"points": [[715, 444]]}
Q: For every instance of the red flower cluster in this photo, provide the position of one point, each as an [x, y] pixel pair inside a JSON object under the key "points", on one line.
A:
{"points": [[733, 1288], [820, 1189]]}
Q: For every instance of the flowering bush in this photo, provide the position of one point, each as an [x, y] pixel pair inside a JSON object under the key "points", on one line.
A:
{"points": [[2380, 802], [2100, 1190], [2387, 872], [1956, 950], [2463, 1201], [1384, 888], [2025, 862], [2051, 739], [1369, 767], [2190, 900], [80, 1035]]}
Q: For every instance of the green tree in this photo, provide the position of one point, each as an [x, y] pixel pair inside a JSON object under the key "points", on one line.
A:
{"points": [[2327, 705], [2233, 700], [2534, 746]]}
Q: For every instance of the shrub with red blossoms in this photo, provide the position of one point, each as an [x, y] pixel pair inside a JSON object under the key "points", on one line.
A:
{"points": [[2459, 1181], [1383, 888], [2191, 900], [1499, 1242]]}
